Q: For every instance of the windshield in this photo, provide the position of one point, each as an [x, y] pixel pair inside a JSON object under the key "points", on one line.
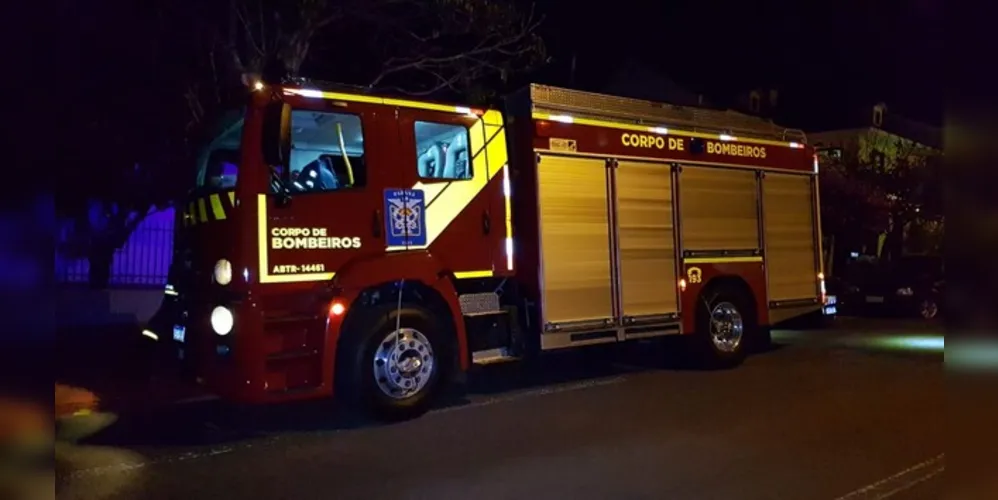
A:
{"points": [[218, 168]]}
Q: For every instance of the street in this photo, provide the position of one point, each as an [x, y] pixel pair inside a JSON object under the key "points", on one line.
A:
{"points": [[851, 412]]}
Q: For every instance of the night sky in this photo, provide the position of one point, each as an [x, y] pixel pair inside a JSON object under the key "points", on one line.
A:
{"points": [[819, 53]]}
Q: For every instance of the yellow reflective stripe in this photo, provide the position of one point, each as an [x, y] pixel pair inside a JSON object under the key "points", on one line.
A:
{"points": [[216, 207], [262, 248], [508, 201], [446, 200], [720, 260], [202, 210], [646, 128], [295, 278], [404, 103], [232, 198], [261, 233], [472, 274]]}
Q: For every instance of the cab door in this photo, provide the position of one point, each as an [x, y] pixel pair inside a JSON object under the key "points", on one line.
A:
{"points": [[338, 168], [460, 189]]}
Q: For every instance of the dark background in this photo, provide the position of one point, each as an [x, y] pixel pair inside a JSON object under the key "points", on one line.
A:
{"points": [[819, 54]]}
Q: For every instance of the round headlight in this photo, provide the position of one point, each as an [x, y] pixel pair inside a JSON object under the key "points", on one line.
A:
{"points": [[222, 320], [223, 272]]}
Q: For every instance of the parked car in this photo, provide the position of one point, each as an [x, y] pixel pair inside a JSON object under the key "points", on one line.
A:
{"points": [[909, 287]]}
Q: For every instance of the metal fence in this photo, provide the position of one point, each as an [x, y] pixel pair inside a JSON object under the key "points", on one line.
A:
{"points": [[144, 260]]}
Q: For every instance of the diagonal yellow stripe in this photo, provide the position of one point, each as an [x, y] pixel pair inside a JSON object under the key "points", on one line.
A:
{"points": [[202, 211], [216, 207]]}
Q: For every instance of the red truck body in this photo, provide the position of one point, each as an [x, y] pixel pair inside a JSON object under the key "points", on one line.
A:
{"points": [[564, 219]]}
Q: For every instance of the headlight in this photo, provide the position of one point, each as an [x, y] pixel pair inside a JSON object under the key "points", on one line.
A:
{"points": [[222, 320], [223, 272], [905, 292]]}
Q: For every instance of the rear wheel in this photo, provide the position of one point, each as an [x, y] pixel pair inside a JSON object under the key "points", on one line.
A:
{"points": [[394, 362], [725, 327]]}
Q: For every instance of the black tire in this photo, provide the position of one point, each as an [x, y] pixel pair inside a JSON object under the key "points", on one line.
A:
{"points": [[357, 385], [706, 352]]}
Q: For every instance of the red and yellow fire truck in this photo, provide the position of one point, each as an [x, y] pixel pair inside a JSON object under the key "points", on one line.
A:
{"points": [[374, 248]]}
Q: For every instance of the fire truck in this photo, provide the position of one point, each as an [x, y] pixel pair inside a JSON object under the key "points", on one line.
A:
{"points": [[374, 249]]}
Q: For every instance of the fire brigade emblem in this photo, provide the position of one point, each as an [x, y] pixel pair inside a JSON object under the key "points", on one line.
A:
{"points": [[405, 224]]}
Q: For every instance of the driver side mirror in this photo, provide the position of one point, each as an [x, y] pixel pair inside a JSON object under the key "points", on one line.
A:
{"points": [[277, 133]]}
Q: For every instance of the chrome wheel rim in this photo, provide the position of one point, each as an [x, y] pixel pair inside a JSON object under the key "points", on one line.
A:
{"points": [[929, 309], [403, 363], [727, 327]]}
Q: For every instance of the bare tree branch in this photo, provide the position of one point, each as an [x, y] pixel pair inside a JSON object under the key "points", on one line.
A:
{"points": [[465, 64], [239, 8]]}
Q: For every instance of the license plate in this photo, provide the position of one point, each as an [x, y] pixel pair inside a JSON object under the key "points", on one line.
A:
{"points": [[830, 311], [831, 300], [179, 332], [870, 299]]}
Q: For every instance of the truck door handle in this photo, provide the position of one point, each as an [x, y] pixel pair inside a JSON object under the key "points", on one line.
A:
{"points": [[376, 224], [486, 223]]}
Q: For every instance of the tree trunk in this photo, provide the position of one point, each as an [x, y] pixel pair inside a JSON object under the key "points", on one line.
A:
{"points": [[101, 256]]}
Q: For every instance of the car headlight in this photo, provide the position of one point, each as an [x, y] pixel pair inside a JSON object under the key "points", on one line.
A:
{"points": [[905, 292], [222, 320], [223, 272]]}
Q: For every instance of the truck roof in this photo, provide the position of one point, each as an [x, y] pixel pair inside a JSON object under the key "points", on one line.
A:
{"points": [[548, 100]]}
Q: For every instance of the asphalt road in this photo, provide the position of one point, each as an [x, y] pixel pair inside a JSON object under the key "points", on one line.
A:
{"points": [[851, 413]]}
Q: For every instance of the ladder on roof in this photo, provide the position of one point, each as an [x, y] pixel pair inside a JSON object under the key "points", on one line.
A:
{"points": [[581, 104]]}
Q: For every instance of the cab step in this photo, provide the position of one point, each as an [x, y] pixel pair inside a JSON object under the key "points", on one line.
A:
{"points": [[493, 356]]}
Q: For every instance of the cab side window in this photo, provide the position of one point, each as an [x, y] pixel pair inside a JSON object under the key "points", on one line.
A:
{"points": [[327, 152], [442, 151]]}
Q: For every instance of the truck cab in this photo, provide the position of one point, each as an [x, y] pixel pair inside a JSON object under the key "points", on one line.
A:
{"points": [[311, 204]]}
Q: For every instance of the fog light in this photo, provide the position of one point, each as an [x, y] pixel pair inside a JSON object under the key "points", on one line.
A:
{"points": [[223, 272], [222, 320]]}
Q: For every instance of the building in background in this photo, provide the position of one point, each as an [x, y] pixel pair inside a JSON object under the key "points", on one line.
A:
{"points": [[875, 135]]}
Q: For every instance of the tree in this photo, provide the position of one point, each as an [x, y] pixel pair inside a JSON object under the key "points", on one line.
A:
{"points": [[188, 62], [417, 47], [906, 172], [113, 154], [880, 185]]}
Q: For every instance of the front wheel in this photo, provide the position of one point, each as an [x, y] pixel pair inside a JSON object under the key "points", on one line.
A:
{"points": [[394, 362]]}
